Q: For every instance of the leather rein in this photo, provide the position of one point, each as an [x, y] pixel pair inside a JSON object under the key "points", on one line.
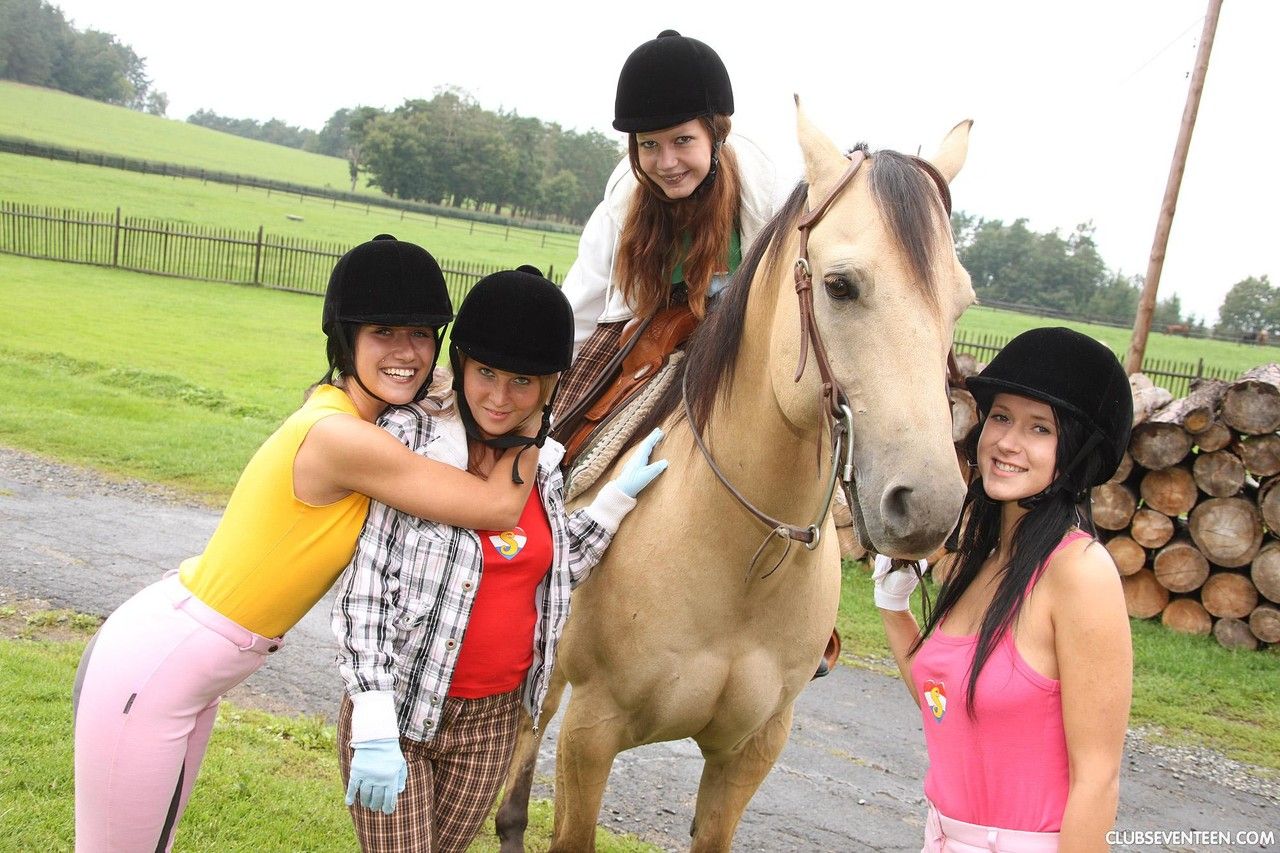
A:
{"points": [[837, 415]]}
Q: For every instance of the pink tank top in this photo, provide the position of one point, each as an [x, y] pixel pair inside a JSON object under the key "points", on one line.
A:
{"points": [[1007, 766]]}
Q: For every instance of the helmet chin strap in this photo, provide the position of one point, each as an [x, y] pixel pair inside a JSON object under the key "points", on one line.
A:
{"points": [[502, 442], [977, 491], [350, 355]]}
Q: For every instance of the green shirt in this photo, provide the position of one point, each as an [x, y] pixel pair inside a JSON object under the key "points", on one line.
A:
{"points": [[735, 256]]}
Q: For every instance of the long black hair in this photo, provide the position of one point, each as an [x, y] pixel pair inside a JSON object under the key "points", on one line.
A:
{"points": [[1051, 514]]}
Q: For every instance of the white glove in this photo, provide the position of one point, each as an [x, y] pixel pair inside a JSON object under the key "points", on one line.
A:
{"points": [[893, 589]]}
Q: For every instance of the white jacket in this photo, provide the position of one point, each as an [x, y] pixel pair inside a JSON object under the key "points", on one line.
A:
{"points": [[590, 286]]}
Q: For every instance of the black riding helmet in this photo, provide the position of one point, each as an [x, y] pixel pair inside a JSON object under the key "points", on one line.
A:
{"points": [[1071, 372], [667, 81], [519, 322], [386, 282]]}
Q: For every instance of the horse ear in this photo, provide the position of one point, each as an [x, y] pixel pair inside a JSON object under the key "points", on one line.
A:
{"points": [[950, 155], [824, 164]]}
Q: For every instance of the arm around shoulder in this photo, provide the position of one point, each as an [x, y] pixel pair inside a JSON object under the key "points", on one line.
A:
{"points": [[361, 457]]}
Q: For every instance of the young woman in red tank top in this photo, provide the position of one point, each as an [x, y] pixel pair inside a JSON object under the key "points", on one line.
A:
{"points": [[448, 635], [1023, 668]]}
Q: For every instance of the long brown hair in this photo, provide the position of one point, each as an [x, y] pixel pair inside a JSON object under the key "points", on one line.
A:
{"points": [[655, 227]]}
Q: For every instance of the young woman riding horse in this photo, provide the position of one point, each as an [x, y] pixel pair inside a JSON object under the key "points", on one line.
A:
{"points": [[678, 214]]}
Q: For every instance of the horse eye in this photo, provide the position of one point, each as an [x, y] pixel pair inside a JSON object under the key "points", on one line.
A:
{"points": [[839, 287]]}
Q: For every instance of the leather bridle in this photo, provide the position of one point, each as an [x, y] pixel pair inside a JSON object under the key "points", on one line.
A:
{"points": [[837, 415]]}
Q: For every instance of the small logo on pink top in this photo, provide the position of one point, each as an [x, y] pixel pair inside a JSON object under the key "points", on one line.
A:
{"points": [[935, 696]]}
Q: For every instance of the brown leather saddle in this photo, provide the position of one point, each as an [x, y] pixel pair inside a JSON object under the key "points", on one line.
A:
{"points": [[645, 346]]}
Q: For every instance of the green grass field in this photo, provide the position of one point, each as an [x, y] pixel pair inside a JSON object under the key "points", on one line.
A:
{"points": [[1235, 357], [46, 115], [28, 180], [268, 783]]}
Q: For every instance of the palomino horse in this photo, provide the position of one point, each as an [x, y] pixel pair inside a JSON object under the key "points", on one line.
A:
{"points": [[681, 631]]}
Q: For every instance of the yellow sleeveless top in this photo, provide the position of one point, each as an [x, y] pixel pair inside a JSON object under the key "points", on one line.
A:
{"points": [[273, 556]]}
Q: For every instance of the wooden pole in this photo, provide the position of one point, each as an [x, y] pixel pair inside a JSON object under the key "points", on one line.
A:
{"points": [[1147, 302]]}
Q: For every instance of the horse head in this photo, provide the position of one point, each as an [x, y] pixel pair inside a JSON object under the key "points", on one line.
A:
{"points": [[887, 289]]}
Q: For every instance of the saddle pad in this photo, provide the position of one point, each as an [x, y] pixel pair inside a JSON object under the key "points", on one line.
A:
{"points": [[616, 430]]}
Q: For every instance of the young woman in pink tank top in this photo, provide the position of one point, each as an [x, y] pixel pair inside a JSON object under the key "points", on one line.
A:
{"points": [[1023, 668]]}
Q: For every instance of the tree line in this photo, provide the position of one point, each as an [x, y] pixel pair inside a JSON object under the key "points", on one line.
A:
{"points": [[1013, 263], [448, 150], [40, 47]]}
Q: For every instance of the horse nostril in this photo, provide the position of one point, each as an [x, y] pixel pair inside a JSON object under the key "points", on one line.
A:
{"points": [[895, 507]]}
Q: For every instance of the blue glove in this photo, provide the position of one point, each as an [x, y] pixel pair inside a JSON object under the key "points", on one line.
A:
{"points": [[378, 774], [639, 472]]}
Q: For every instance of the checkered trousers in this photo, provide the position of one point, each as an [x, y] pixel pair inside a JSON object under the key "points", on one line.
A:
{"points": [[602, 345], [453, 779]]}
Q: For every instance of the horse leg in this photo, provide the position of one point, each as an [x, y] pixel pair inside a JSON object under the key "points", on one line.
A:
{"points": [[730, 779], [512, 817], [590, 737]]}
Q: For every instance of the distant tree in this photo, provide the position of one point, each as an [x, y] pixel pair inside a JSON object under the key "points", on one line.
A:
{"points": [[1250, 306], [157, 103], [1115, 299], [1168, 312], [38, 46], [97, 66], [273, 130], [397, 156], [33, 37], [560, 192], [1013, 263], [449, 150]]}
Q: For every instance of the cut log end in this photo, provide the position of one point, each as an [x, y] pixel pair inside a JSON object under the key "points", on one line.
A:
{"points": [[1187, 616], [1234, 634], [1144, 597]]}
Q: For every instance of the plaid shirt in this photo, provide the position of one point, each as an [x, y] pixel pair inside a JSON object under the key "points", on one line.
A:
{"points": [[403, 603]]}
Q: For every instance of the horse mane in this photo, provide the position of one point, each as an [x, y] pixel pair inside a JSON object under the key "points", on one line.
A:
{"points": [[908, 201]]}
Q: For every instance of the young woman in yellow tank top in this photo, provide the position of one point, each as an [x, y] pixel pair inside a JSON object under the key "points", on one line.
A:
{"points": [[149, 684]]}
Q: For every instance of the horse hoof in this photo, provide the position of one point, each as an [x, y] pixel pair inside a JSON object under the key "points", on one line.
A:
{"points": [[823, 670]]}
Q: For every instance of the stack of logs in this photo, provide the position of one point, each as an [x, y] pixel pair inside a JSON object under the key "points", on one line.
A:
{"points": [[1192, 518]]}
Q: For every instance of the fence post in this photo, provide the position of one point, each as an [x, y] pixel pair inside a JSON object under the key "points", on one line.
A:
{"points": [[115, 248], [257, 259]]}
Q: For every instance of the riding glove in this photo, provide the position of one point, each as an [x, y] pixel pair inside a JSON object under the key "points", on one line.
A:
{"points": [[893, 588], [378, 774], [639, 472]]}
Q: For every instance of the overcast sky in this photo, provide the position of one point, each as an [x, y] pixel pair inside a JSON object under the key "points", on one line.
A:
{"points": [[1076, 104]]}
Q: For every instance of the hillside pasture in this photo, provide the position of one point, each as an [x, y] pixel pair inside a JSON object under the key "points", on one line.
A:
{"points": [[47, 115], [28, 180]]}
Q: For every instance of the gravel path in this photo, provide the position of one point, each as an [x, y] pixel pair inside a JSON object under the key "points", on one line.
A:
{"points": [[849, 779]]}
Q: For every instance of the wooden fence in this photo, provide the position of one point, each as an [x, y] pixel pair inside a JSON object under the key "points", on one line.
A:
{"points": [[286, 263], [191, 251], [553, 233], [1174, 376]]}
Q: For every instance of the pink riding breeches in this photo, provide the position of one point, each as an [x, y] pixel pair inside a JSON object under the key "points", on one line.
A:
{"points": [[947, 835], [145, 700]]}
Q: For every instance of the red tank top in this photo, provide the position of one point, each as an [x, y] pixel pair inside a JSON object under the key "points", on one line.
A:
{"points": [[1007, 766], [497, 648]]}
